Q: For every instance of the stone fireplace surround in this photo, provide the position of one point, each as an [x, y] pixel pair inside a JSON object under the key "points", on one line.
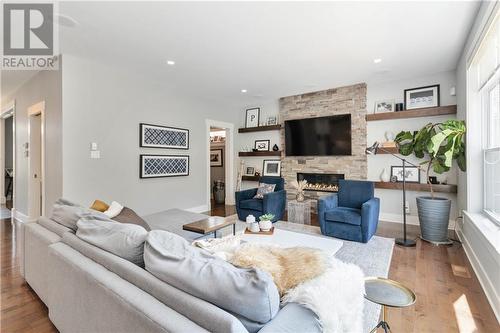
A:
{"points": [[343, 100]]}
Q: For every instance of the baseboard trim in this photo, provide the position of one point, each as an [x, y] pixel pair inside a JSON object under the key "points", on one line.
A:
{"points": [[20, 217], [3, 200], [482, 276], [410, 219], [198, 209]]}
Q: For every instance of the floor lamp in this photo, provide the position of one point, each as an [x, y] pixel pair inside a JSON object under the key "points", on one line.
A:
{"points": [[373, 151]]}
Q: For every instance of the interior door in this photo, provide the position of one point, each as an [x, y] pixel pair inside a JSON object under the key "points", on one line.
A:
{"points": [[35, 157]]}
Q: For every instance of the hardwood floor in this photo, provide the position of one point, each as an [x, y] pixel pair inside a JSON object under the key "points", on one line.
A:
{"points": [[449, 297]]}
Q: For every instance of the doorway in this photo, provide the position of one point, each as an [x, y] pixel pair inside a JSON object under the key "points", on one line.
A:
{"points": [[220, 166], [36, 156], [7, 160]]}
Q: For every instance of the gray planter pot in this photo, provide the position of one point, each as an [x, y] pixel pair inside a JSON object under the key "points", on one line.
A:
{"points": [[434, 216]]}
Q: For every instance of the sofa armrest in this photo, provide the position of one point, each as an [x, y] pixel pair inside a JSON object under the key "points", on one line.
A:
{"points": [[244, 195], [274, 203], [369, 217], [293, 318]]}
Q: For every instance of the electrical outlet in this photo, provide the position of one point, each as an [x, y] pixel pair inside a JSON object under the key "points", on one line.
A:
{"points": [[407, 207], [95, 154]]}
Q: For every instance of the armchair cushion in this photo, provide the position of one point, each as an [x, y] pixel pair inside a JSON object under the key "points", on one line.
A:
{"points": [[344, 215], [353, 193], [253, 204], [264, 189]]}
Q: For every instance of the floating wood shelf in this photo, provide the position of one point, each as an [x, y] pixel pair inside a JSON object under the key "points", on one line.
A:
{"points": [[259, 153], [423, 112], [389, 150], [259, 128], [250, 178], [417, 187]]}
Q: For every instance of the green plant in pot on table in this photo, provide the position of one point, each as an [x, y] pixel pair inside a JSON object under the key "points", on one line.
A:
{"points": [[440, 144]]}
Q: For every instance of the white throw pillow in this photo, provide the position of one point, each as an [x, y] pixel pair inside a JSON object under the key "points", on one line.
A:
{"points": [[114, 209], [122, 239]]}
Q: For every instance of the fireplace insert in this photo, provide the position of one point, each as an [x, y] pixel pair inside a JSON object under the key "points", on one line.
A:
{"points": [[322, 182]]}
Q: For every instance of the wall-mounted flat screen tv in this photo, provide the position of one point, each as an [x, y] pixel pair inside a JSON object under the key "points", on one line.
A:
{"points": [[323, 136]]}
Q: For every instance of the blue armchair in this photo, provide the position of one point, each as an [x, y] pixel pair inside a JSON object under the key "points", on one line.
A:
{"points": [[273, 203], [350, 214]]}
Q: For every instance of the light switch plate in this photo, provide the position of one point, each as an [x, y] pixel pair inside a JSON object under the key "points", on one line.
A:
{"points": [[93, 146], [95, 154]]}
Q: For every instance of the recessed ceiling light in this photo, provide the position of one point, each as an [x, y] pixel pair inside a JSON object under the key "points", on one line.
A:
{"points": [[170, 62], [243, 90], [377, 61]]}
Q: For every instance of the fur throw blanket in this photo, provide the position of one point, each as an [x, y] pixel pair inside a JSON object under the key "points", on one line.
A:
{"points": [[330, 288]]}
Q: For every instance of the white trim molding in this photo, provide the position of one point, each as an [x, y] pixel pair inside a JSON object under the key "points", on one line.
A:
{"points": [[21, 217], [198, 209], [410, 219]]}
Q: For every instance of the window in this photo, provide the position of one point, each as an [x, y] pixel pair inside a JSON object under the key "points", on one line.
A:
{"points": [[486, 65]]}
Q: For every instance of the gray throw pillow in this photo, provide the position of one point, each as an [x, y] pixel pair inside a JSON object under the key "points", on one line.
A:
{"points": [[122, 239], [68, 215], [127, 215], [264, 189], [250, 293]]}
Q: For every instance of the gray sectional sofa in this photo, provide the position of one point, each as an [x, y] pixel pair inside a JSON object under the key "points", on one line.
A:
{"points": [[87, 289]]}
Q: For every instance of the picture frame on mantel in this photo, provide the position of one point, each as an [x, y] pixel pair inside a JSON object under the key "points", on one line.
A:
{"points": [[252, 117]]}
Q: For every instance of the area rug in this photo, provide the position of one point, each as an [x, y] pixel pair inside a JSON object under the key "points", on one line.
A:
{"points": [[374, 258]]}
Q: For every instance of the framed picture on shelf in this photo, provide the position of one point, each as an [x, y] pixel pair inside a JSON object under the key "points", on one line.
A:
{"points": [[216, 158], [156, 166], [252, 117], [272, 168], [262, 145], [412, 174], [384, 106], [155, 136], [272, 120], [250, 171], [422, 97]]}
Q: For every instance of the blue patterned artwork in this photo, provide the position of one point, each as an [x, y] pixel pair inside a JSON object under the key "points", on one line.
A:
{"points": [[154, 136], [154, 166]]}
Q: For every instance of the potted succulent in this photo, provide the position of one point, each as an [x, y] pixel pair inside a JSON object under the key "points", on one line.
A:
{"points": [[439, 144], [265, 223]]}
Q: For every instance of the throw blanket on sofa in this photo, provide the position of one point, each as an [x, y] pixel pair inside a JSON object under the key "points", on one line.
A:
{"points": [[330, 288]]}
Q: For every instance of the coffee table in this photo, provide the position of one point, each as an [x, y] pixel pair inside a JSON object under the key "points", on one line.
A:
{"points": [[210, 225], [387, 292]]}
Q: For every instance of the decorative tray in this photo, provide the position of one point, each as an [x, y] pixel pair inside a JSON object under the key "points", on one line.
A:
{"points": [[270, 232]]}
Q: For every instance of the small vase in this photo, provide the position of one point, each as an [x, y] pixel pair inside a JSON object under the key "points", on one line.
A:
{"points": [[384, 176], [300, 196]]}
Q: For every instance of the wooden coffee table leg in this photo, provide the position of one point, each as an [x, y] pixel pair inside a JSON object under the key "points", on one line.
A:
{"points": [[234, 229], [215, 233]]}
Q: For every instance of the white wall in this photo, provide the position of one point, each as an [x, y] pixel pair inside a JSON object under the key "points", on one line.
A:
{"points": [[391, 200], [44, 86], [105, 105]]}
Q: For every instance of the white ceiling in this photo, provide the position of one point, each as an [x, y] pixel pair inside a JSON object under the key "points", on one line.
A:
{"points": [[272, 49]]}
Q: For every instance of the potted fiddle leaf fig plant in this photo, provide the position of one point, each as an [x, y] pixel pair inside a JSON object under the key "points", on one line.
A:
{"points": [[439, 144]]}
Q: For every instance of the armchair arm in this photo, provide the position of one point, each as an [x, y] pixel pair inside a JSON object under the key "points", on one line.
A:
{"points": [[325, 204], [274, 203], [369, 217], [244, 195]]}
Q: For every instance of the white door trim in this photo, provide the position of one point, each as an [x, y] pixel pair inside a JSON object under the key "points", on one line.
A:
{"points": [[7, 111], [229, 159], [35, 110]]}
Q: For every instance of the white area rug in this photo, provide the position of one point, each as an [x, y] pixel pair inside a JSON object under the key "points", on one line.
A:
{"points": [[286, 238]]}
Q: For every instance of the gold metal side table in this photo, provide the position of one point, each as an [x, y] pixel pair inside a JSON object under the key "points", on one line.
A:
{"points": [[390, 293]]}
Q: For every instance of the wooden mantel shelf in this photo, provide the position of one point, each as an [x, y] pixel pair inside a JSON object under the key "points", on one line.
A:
{"points": [[423, 112], [417, 187]]}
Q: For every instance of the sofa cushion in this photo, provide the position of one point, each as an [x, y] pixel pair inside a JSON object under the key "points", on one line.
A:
{"points": [[345, 215], [122, 239], [68, 215], [100, 206], [250, 293], [253, 204], [114, 209], [127, 215]]}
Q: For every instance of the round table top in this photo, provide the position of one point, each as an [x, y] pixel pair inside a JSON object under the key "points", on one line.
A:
{"points": [[388, 292]]}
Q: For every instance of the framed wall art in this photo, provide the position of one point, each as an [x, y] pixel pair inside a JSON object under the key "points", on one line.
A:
{"points": [[412, 174], [252, 117], [262, 145], [155, 136], [384, 106], [216, 158], [156, 166], [423, 97], [272, 168]]}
